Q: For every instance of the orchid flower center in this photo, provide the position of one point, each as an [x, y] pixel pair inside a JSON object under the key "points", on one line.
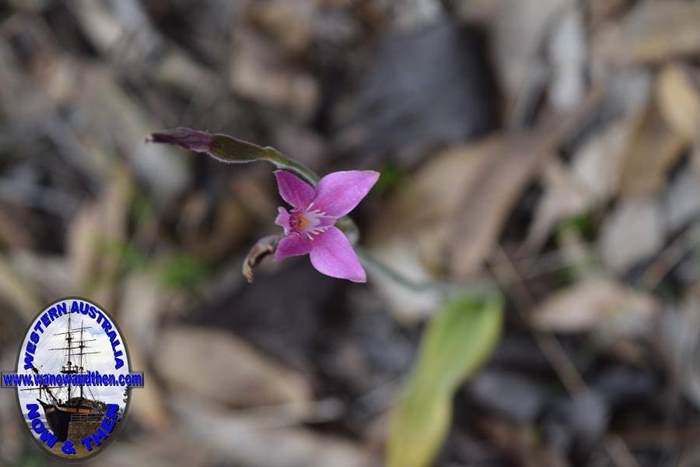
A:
{"points": [[309, 223]]}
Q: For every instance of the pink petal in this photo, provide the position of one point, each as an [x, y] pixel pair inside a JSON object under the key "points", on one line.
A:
{"points": [[332, 255], [294, 190], [339, 192], [292, 245], [282, 219]]}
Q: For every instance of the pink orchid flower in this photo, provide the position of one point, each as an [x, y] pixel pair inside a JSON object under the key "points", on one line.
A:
{"points": [[310, 225]]}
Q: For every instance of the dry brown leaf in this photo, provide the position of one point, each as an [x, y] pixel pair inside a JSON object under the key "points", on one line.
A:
{"points": [[678, 94], [95, 237], [147, 402], [632, 232], [485, 204], [162, 448], [225, 369], [594, 303], [652, 32], [142, 302], [139, 311], [411, 236], [432, 197], [591, 180], [652, 149], [82, 240], [454, 208], [247, 444], [289, 22], [565, 196], [260, 72], [602, 10]]}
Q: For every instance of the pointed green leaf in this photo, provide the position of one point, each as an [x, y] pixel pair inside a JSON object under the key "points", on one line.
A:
{"points": [[456, 342]]}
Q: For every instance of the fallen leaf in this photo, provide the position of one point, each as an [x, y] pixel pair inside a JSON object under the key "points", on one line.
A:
{"points": [[225, 369], [455, 206], [433, 195], [261, 72], [591, 180], [484, 205], [289, 22], [566, 196], [631, 232], [162, 448], [95, 237], [412, 234], [604, 10], [652, 32], [651, 150], [244, 443], [147, 402], [593, 303], [678, 94]]}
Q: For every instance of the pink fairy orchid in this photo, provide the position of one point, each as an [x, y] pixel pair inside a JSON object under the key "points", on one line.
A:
{"points": [[310, 225]]}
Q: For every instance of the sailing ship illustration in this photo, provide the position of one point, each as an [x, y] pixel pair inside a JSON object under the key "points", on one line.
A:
{"points": [[71, 411]]}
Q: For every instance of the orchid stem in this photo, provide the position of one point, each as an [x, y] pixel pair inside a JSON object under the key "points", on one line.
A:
{"points": [[481, 286], [282, 162]]}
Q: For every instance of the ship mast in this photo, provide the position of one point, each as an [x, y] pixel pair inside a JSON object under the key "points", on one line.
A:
{"points": [[82, 347], [70, 368]]}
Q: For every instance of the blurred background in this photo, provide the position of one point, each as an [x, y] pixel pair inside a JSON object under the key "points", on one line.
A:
{"points": [[545, 147]]}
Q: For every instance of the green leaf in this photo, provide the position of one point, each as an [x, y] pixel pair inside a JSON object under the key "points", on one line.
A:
{"points": [[456, 342]]}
